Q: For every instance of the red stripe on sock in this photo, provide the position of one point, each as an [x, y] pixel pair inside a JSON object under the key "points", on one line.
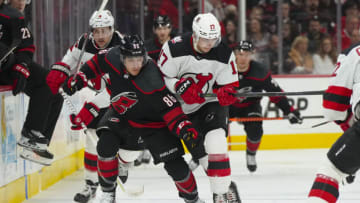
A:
{"points": [[327, 180], [323, 195], [252, 146], [89, 156], [187, 186], [219, 172]]}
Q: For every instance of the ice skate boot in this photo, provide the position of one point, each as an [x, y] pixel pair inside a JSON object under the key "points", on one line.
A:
{"points": [[251, 162], [107, 197], [197, 200], [144, 157], [33, 140], [88, 192], [233, 195], [40, 157], [220, 198]]}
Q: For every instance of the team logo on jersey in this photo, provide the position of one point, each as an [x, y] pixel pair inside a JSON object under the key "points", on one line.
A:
{"points": [[176, 39], [201, 80], [124, 101]]}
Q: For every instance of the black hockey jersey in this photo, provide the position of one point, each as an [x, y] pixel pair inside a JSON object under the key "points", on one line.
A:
{"points": [[256, 79], [153, 48], [13, 32], [144, 99]]}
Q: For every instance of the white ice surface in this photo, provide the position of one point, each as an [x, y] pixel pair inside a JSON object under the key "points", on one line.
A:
{"points": [[283, 176]]}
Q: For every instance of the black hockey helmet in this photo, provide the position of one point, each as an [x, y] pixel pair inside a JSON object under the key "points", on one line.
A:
{"points": [[244, 45], [132, 45], [162, 21]]}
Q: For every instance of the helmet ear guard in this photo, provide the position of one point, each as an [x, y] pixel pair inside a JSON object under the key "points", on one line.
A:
{"points": [[162, 21]]}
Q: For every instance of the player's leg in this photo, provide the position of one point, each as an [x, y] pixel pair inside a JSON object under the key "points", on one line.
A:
{"points": [[212, 121], [342, 160], [90, 161], [32, 135], [254, 132], [167, 148]]}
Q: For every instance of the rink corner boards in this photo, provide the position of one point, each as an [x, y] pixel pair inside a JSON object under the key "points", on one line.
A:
{"points": [[27, 186]]}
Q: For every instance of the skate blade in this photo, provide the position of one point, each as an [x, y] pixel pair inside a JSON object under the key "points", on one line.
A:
{"points": [[34, 158]]}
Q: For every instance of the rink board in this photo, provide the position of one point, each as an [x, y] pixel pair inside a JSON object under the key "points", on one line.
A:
{"points": [[21, 179]]}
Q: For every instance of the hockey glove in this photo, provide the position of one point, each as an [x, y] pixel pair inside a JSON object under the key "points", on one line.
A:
{"points": [[86, 115], [188, 134], [226, 95], [56, 77], [74, 83], [21, 74], [189, 91], [295, 117], [347, 123]]}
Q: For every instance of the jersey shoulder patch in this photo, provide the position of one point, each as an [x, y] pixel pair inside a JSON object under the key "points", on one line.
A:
{"points": [[180, 45], [150, 80], [257, 70]]}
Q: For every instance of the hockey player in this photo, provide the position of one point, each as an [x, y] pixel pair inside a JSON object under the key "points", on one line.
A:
{"points": [[162, 30], [140, 106], [29, 77], [255, 77], [342, 158], [102, 36], [196, 63]]}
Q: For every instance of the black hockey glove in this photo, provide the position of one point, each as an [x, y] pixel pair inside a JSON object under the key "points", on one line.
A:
{"points": [[21, 74], [295, 117], [191, 137], [74, 83]]}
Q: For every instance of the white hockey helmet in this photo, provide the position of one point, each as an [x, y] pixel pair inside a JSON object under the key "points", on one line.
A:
{"points": [[102, 18], [205, 25]]}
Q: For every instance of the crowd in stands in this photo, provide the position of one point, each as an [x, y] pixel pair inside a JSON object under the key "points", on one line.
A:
{"points": [[308, 31]]}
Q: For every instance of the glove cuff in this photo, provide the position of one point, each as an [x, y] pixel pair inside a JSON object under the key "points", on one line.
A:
{"points": [[22, 69], [63, 67]]}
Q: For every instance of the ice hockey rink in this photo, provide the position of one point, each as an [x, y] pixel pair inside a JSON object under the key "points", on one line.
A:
{"points": [[283, 176]]}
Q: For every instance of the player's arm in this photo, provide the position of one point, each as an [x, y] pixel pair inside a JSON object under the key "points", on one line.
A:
{"points": [[336, 100], [61, 70], [90, 70], [270, 85], [226, 82], [168, 67]]}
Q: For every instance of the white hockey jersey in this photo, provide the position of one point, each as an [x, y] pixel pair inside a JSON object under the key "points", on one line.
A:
{"points": [[70, 60], [344, 88], [178, 59]]}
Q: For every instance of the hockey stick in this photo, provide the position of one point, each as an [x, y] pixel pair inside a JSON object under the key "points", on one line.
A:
{"points": [[270, 94], [7, 54], [252, 119]]}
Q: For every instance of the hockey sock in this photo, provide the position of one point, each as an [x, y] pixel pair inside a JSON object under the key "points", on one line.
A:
{"points": [[252, 146], [90, 165], [108, 171], [219, 173], [187, 187], [325, 188]]}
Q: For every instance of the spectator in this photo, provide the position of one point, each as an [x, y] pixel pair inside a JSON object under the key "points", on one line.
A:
{"points": [[300, 56], [270, 56], [355, 36], [257, 13], [352, 23], [230, 28], [215, 7], [288, 35], [314, 34], [258, 36], [304, 14], [325, 58]]}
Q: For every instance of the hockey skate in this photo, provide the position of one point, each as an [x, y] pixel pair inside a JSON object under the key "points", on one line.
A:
{"points": [[233, 195], [33, 140], [40, 157], [220, 198], [197, 200], [251, 162], [144, 158], [88, 192], [107, 197]]}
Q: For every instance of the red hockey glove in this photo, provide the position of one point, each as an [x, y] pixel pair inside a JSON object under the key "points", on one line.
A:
{"points": [[56, 77], [226, 96], [294, 116], [190, 136], [74, 83], [189, 91], [86, 115], [21, 75]]}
